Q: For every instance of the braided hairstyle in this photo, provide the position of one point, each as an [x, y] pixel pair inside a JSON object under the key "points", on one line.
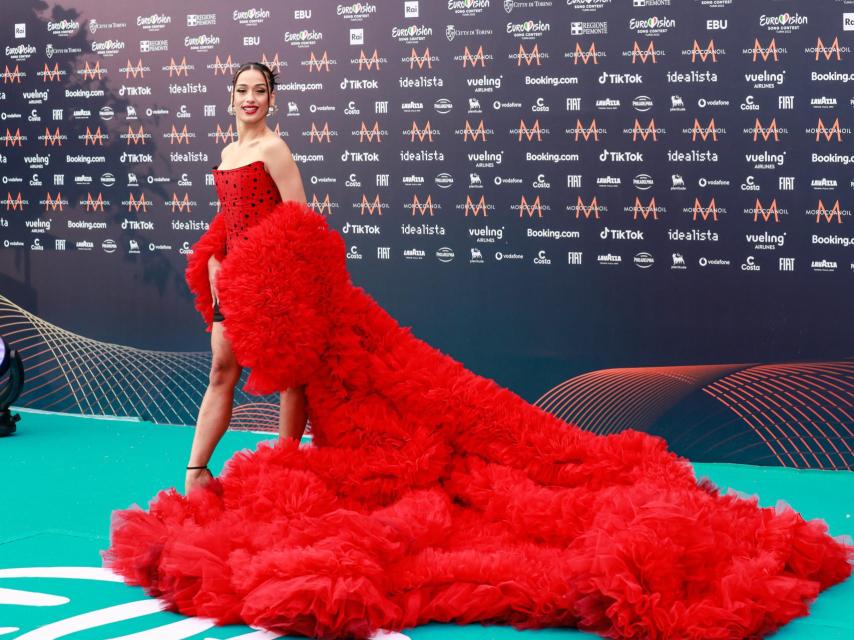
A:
{"points": [[269, 77]]}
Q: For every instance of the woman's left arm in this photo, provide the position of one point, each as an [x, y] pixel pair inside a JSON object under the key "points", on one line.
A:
{"points": [[284, 171]]}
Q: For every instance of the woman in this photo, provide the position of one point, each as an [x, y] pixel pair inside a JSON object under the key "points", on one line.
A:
{"points": [[252, 100], [433, 494]]}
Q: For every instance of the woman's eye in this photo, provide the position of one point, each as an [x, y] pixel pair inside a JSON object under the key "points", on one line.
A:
{"points": [[241, 91]]}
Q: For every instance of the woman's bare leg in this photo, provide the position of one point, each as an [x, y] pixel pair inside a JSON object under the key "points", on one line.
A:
{"points": [[215, 410], [292, 413]]}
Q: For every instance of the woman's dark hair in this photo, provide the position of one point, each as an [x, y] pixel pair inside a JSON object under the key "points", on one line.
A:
{"points": [[269, 76]]}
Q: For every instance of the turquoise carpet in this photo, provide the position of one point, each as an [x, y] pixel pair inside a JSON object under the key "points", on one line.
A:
{"points": [[61, 476]]}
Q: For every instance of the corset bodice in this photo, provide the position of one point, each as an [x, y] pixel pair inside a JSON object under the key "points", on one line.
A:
{"points": [[246, 195]]}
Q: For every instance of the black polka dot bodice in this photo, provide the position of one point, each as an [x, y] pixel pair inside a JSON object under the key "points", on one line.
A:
{"points": [[246, 195]]}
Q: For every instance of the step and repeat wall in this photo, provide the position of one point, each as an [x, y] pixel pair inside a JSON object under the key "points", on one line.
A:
{"points": [[543, 189]]}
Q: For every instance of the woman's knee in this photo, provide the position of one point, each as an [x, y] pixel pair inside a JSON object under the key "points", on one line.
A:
{"points": [[224, 373]]}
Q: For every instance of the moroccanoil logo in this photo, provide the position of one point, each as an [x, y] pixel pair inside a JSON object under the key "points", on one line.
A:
{"points": [[422, 208], [760, 211], [644, 54], [371, 207], [321, 63]]}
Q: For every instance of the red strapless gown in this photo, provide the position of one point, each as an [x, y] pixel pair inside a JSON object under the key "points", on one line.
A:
{"points": [[433, 494]]}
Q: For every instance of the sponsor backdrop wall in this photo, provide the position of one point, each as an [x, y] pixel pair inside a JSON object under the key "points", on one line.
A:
{"points": [[636, 213]]}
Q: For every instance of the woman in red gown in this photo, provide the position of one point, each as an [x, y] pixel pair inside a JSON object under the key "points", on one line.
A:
{"points": [[433, 494]]}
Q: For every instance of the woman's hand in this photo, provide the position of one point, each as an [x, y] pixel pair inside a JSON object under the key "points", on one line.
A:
{"points": [[213, 267]]}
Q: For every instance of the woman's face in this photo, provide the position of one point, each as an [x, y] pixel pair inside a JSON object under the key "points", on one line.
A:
{"points": [[251, 96]]}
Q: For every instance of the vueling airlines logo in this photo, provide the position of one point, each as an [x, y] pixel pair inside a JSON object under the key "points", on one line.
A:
{"points": [[704, 133], [94, 204], [225, 68], [476, 208], [136, 205], [224, 136], [321, 206], [533, 56], [704, 54], [178, 69], [316, 64], [771, 51], [478, 132], [53, 203], [369, 63], [422, 208], [130, 70], [649, 52], [93, 138], [473, 59], [587, 56], [415, 59], [828, 133], [425, 132], [180, 204], [54, 75], [705, 213], [371, 207], [827, 216], [766, 214], [534, 208], [12, 75], [319, 134], [587, 210], [828, 51], [373, 134], [644, 212]]}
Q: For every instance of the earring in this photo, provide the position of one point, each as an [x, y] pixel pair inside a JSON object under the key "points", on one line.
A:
{"points": [[272, 109], [230, 110]]}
